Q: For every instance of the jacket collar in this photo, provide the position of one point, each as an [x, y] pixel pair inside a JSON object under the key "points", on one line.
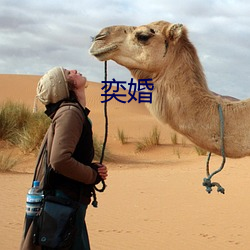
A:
{"points": [[53, 107]]}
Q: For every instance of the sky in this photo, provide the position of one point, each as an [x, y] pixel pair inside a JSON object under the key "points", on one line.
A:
{"points": [[38, 35]]}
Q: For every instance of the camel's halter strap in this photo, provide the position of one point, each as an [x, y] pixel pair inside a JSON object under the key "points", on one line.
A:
{"points": [[94, 203], [207, 181]]}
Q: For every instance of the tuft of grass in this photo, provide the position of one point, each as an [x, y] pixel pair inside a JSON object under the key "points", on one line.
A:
{"points": [[174, 139], [7, 162], [31, 136], [155, 136], [200, 151], [177, 152], [147, 142], [121, 136], [143, 145], [98, 145], [13, 118], [21, 127]]}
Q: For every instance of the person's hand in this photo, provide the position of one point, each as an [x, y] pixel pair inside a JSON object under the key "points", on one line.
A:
{"points": [[101, 170]]}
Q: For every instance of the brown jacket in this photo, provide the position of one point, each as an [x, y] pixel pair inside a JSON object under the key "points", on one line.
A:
{"points": [[72, 132]]}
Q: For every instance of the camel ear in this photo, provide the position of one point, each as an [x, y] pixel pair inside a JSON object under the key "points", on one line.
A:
{"points": [[175, 31]]}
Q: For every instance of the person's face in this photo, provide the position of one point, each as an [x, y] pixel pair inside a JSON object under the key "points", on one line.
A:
{"points": [[75, 78]]}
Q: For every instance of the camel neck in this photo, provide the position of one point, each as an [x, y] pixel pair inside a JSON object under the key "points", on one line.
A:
{"points": [[190, 110], [182, 99]]}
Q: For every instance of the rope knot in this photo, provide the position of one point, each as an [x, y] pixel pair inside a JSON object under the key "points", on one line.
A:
{"points": [[207, 183]]}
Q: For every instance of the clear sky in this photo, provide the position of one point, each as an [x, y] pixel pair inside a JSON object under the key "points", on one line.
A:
{"points": [[36, 35]]}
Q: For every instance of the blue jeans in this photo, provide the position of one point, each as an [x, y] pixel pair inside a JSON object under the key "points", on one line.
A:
{"points": [[81, 241]]}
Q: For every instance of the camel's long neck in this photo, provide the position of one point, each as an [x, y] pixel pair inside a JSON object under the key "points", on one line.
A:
{"points": [[181, 107], [191, 110], [182, 99]]}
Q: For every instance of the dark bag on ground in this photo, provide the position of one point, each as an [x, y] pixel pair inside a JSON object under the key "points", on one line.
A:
{"points": [[54, 227]]}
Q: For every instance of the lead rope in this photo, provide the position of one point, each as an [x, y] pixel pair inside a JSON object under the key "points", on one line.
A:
{"points": [[105, 114], [94, 202], [207, 181]]}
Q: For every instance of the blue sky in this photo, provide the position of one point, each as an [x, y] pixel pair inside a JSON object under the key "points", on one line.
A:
{"points": [[37, 35]]}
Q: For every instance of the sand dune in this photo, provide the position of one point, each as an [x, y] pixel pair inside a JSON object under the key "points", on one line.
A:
{"points": [[154, 200]]}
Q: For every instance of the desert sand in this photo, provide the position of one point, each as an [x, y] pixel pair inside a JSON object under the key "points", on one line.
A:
{"points": [[154, 199]]}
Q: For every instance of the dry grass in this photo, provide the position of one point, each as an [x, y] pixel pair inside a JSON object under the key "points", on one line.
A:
{"points": [[174, 139], [121, 136], [21, 127], [32, 134], [98, 146], [147, 142], [13, 118], [7, 162], [200, 151]]}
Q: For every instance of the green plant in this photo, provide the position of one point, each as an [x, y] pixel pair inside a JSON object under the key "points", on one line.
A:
{"points": [[177, 151], [155, 136], [147, 142], [200, 151], [174, 139], [98, 146], [32, 134], [7, 162], [143, 145], [121, 136], [13, 118], [21, 127]]}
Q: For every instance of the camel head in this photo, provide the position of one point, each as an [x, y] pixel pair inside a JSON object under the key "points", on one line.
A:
{"points": [[144, 48]]}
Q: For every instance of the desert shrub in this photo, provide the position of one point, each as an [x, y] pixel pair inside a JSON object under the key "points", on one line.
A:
{"points": [[7, 162], [21, 127], [155, 136], [98, 145], [200, 151], [32, 134], [143, 145], [121, 136], [13, 118], [177, 151], [152, 140], [174, 139]]}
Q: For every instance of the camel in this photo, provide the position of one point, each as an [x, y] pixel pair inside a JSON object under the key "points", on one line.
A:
{"points": [[181, 98]]}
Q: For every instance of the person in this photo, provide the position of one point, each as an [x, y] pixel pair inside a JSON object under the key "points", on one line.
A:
{"points": [[70, 146]]}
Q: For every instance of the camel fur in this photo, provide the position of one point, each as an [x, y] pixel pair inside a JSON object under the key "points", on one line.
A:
{"points": [[181, 97]]}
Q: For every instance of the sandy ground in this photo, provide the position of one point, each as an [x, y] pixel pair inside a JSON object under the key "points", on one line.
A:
{"points": [[154, 199]]}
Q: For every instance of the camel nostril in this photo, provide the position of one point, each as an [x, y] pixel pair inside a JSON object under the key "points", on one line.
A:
{"points": [[100, 36]]}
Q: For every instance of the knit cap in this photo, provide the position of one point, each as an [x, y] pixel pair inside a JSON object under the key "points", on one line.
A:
{"points": [[53, 86]]}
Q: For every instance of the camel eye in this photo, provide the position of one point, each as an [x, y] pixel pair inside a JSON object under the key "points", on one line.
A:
{"points": [[142, 37]]}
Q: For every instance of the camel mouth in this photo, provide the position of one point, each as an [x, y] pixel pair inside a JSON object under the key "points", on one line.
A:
{"points": [[100, 52]]}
